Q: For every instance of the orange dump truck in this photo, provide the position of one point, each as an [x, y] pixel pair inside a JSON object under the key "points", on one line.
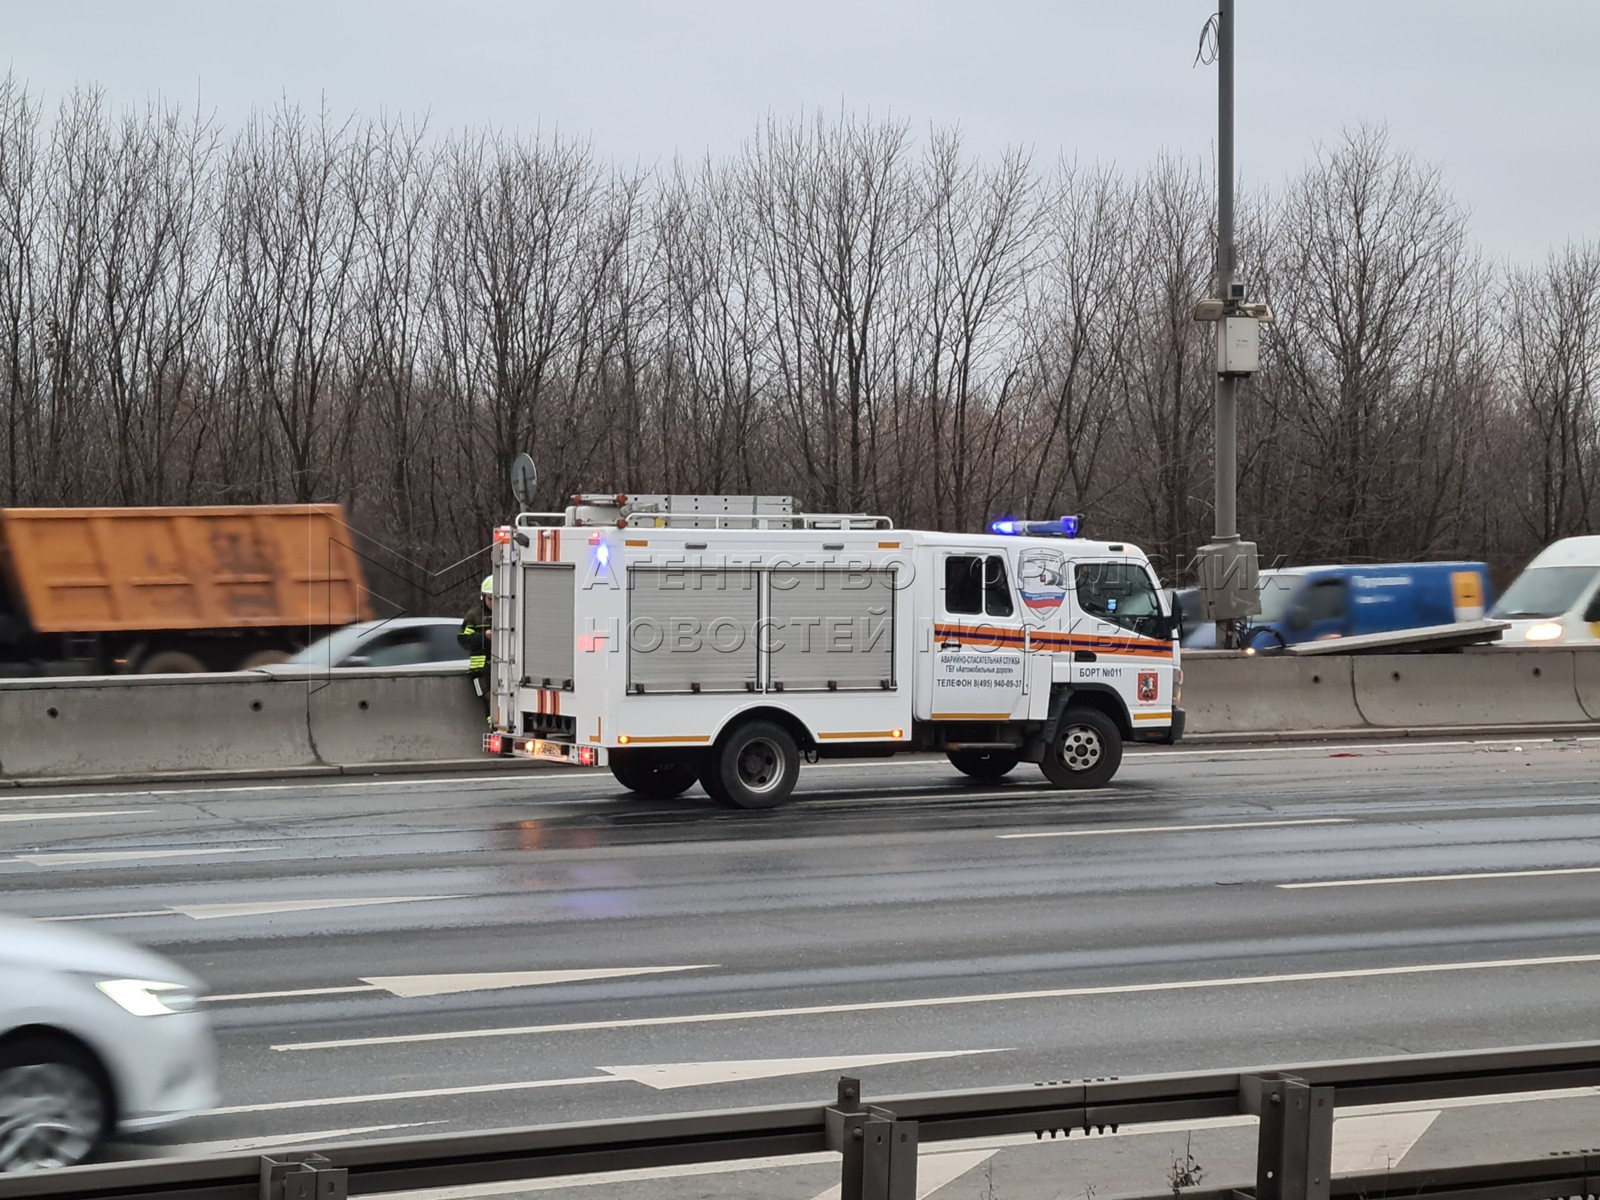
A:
{"points": [[158, 590]]}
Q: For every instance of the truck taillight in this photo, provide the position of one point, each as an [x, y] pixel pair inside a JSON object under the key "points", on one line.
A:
{"points": [[502, 535], [495, 744], [1177, 685], [587, 756]]}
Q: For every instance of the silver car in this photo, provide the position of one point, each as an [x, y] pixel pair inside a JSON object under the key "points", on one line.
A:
{"points": [[96, 1038], [395, 642]]}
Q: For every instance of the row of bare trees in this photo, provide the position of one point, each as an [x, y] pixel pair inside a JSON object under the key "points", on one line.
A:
{"points": [[311, 309]]}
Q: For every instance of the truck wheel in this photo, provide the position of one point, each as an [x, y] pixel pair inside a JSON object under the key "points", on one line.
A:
{"points": [[172, 662], [984, 764], [652, 774], [755, 766], [1086, 751]]}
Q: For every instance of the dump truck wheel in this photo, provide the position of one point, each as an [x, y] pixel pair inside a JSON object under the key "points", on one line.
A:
{"points": [[172, 662], [984, 764], [754, 766], [651, 774], [1086, 751]]}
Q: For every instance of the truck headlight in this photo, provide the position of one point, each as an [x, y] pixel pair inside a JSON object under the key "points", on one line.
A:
{"points": [[149, 997], [1545, 631]]}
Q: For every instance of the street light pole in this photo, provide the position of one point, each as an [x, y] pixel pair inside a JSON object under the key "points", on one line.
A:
{"points": [[1227, 566], [1227, 520]]}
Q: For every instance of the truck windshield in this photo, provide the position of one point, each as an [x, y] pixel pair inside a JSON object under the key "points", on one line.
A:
{"points": [[1544, 592]]}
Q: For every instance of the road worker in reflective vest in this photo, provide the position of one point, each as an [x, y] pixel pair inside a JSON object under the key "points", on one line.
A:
{"points": [[474, 639]]}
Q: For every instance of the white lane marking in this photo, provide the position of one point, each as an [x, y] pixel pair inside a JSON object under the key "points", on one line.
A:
{"points": [[1111, 832], [1344, 883], [234, 997], [1127, 989], [935, 1171], [72, 859], [421, 1094], [667, 1076], [239, 1145], [73, 816], [411, 986], [1377, 1143], [212, 912], [1405, 1106], [149, 912], [521, 780]]}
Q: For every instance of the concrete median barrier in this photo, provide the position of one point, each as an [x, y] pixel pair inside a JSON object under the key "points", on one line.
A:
{"points": [[151, 724], [373, 717], [1238, 693], [1475, 689]]}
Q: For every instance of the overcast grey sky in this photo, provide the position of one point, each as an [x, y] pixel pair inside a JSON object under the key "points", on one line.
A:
{"points": [[1502, 97]]}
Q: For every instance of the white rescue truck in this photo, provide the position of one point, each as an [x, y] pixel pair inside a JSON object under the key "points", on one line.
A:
{"points": [[726, 638]]}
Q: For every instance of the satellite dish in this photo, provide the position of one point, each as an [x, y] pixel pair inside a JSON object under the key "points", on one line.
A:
{"points": [[524, 481]]}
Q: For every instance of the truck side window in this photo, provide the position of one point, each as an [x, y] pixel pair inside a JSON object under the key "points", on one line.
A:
{"points": [[963, 585], [975, 586], [1121, 593], [996, 587]]}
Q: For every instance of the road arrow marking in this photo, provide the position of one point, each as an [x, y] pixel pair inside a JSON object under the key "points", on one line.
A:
{"points": [[211, 912], [412, 986], [72, 859], [936, 1170], [666, 1076], [1377, 1143], [661, 1076]]}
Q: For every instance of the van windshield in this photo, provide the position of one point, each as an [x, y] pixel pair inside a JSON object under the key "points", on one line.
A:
{"points": [[1544, 592], [1277, 590]]}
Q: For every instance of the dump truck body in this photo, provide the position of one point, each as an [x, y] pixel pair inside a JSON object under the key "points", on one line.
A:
{"points": [[116, 587]]}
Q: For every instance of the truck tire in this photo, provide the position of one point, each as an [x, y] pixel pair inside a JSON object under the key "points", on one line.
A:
{"points": [[755, 765], [984, 764], [653, 774], [1086, 751], [172, 662]]}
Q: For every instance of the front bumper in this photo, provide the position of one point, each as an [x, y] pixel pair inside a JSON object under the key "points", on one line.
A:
{"points": [[168, 1075]]}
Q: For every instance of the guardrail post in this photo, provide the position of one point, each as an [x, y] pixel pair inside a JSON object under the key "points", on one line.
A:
{"points": [[878, 1150], [302, 1177], [1294, 1156]]}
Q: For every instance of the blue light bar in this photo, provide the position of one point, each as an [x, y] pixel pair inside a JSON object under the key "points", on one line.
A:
{"points": [[1060, 527]]}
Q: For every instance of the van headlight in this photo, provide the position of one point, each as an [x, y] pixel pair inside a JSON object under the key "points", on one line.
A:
{"points": [[1545, 631], [149, 997]]}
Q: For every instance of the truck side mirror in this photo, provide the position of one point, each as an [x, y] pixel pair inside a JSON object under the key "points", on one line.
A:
{"points": [[1592, 613]]}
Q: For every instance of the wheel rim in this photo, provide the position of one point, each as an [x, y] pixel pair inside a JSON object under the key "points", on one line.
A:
{"points": [[760, 765], [50, 1116], [1081, 748]]}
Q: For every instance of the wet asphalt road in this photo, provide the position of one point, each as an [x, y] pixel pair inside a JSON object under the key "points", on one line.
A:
{"points": [[896, 921]]}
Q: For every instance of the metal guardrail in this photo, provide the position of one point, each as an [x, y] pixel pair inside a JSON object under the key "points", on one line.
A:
{"points": [[878, 1143]]}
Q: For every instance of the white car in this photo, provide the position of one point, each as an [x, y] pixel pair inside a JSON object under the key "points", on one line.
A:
{"points": [[96, 1038], [396, 642]]}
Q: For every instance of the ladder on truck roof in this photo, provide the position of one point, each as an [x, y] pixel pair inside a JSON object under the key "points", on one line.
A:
{"points": [[699, 512]]}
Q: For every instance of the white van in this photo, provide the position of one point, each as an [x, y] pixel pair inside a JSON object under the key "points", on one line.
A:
{"points": [[1556, 599]]}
